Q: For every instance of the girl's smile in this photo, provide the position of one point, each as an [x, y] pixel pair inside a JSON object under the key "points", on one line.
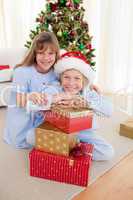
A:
{"points": [[45, 60]]}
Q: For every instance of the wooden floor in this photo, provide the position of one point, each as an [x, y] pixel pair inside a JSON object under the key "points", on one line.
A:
{"points": [[117, 184]]}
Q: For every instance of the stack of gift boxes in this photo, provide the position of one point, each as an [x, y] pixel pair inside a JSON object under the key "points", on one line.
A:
{"points": [[58, 155]]}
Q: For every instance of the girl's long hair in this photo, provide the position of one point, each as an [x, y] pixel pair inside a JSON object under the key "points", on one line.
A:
{"points": [[40, 43]]}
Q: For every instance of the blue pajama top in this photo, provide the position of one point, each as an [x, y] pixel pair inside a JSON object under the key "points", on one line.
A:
{"points": [[26, 79]]}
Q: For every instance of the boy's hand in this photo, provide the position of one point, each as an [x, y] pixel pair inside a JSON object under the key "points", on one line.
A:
{"points": [[38, 98], [96, 88], [73, 102], [62, 97], [80, 102]]}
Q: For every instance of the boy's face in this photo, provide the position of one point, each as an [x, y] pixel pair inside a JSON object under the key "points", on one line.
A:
{"points": [[45, 60], [72, 81]]}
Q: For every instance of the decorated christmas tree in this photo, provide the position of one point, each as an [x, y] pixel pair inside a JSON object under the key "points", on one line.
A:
{"points": [[66, 19]]}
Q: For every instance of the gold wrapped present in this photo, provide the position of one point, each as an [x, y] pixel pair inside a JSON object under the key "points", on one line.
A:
{"points": [[53, 140], [126, 128]]}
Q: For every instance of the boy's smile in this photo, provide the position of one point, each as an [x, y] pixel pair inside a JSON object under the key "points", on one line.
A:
{"points": [[72, 81]]}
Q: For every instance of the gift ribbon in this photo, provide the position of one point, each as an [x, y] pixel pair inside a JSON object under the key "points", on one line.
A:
{"points": [[79, 150]]}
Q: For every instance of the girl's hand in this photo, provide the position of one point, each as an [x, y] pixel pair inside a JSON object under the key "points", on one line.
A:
{"points": [[38, 98], [96, 88]]}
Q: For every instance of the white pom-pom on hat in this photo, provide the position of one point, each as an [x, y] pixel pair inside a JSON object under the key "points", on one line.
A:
{"points": [[70, 60]]}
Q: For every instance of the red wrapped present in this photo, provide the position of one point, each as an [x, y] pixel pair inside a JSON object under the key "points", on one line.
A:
{"points": [[72, 170], [2, 67], [70, 120]]}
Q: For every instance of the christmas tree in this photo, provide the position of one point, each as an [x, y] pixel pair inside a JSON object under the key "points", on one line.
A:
{"points": [[66, 19]]}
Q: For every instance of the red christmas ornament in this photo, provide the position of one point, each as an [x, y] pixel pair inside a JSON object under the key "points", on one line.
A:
{"points": [[77, 17], [76, 6], [89, 46], [53, 6], [72, 33], [69, 4]]}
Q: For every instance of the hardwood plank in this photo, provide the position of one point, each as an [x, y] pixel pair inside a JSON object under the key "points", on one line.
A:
{"points": [[116, 184]]}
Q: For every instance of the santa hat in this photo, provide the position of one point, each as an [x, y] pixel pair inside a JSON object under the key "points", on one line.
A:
{"points": [[74, 60]]}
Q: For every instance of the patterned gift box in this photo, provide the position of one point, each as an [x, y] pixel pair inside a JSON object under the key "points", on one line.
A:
{"points": [[69, 119], [52, 139], [126, 128], [72, 170]]}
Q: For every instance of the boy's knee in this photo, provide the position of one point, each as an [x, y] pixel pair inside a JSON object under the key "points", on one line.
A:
{"points": [[109, 153], [104, 155]]}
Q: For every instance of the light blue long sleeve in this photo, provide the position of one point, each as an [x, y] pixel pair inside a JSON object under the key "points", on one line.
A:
{"points": [[49, 90], [18, 121], [100, 104]]}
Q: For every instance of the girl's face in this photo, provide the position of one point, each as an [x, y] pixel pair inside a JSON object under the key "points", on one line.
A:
{"points": [[45, 60], [72, 81]]}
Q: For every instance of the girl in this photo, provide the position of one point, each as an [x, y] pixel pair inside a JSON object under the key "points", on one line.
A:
{"points": [[76, 76], [29, 77]]}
